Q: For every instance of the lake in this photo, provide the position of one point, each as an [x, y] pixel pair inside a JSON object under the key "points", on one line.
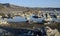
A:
{"points": [[23, 19]]}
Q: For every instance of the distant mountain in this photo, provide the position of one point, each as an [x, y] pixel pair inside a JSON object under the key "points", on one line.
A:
{"points": [[10, 7]]}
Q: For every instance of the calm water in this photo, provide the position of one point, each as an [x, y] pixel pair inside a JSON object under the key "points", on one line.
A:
{"points": [[21, 32], [22, 19], [17, 19]]}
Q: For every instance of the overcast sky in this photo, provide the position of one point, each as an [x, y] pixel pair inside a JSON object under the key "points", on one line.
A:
{"points": [[34, 3]]}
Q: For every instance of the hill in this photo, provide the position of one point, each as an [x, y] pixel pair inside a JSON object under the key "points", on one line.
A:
{"points": [[6, 8]]}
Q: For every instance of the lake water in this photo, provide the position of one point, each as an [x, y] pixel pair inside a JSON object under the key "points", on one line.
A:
{"points": [[23, 19], [17, 19], [21, 32]]}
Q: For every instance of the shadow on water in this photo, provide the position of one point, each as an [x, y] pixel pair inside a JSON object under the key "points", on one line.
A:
{"points": [[24, 32]]}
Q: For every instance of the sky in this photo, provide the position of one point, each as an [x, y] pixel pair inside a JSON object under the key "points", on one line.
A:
{"points": [[33, 3]]}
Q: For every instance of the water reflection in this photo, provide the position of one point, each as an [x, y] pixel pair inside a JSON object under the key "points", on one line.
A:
{"points": [[17, 19], [21, 32], [23, 19]]}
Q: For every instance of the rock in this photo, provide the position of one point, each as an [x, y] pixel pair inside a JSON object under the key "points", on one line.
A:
{"points": [[52, 32]]}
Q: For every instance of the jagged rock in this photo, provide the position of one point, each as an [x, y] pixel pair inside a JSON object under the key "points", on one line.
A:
{"points": [[52, 32]]}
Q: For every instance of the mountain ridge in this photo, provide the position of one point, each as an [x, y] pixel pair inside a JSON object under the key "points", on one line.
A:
{"points": [[6, 7]]}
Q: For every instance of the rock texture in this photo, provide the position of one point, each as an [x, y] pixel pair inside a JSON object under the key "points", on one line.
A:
{"points": [[52, 32]]}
